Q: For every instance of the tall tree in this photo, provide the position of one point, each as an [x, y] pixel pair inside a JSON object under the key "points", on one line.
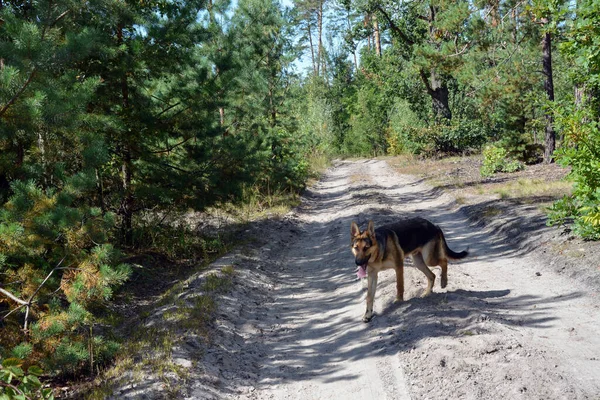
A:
{"points": [[550, 141], [433, 33], [55, 251], [544, 12], [311, 19]]}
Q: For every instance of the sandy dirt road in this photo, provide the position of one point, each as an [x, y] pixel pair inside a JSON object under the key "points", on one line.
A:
{"points": [[506, 327]]}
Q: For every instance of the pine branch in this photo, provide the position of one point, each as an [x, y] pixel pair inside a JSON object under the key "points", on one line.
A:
{"points": [[170, 148], [19, 93], [12, 311], [61, 16], [13, 297], [462, 51], [27, 304]]}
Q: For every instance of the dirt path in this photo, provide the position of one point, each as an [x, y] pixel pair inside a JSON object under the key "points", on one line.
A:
{"points": [[505, 327]]}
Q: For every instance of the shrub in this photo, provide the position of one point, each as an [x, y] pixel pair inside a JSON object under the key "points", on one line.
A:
{"points": [[495, 159], [406, 132], [368, 124], [580, 151], [460, 136], [18, 384], [55, 252]]}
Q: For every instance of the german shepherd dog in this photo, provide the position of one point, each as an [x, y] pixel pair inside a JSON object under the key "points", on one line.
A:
{"points": [[386, 247]]}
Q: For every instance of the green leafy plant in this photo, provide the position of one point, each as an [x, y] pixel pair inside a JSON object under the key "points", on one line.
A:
{"points": [[460, 136], [16, 384], [495, 159], [581, 152], [581, 131]]}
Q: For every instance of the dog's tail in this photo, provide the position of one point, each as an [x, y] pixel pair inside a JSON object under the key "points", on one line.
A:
{"points": [[451, 254]]}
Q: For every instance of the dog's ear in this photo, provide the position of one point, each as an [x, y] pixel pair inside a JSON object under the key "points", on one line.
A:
{"points": [[371, 229], [354, 230]]}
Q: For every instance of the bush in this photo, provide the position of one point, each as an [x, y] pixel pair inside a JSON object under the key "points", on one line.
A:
{"points": [[18, 384], [460, 136], [55, 252], [580, 151], [495, 159], [287, 167], [368, 124], [406, 132]]}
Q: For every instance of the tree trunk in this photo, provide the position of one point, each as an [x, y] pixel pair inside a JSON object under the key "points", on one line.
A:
{"points": [[550, 141], [100, 189], [126, 209], [271, 94], [436, 86], [366, 21], [349, 26], [211, 18], [127, 202], [494, 14], [438, 90], [320, 32], [312, 48], [580, 94], [377, 37]]}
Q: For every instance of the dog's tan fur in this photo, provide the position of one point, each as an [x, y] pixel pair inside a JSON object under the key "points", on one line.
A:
{"points": [[386, 247]]}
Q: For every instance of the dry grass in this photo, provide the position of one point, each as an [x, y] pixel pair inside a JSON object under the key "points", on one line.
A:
{"points": [[536, 184], [151, 342]]}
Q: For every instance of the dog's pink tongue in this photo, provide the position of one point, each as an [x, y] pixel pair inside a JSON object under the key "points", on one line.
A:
{"points": [[361, 272]]}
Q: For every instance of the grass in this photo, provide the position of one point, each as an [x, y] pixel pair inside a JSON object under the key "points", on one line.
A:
{"points": [[162, 274], [536, 184], [257, 206], [526, 188], [192, 315]]}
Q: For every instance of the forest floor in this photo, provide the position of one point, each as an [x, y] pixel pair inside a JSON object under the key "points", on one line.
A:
{"points": [[519, 319]]}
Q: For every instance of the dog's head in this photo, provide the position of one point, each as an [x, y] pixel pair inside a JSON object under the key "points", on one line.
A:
{"points": [[364, 244]]}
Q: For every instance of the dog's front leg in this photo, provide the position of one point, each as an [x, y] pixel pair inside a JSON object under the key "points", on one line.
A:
{"points": [[400, 281], [371, 287]]}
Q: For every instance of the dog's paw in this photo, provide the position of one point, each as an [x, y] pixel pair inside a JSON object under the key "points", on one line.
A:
{"points": [[367, 317], [426, 293], [444, 282], [398, 299]]}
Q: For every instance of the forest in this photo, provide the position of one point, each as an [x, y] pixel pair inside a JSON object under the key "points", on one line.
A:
{"points": [[114, 113]]}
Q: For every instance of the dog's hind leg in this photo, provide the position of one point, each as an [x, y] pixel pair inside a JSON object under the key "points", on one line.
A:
{"points": [[444, 265], [420, 264], [371, 288]]}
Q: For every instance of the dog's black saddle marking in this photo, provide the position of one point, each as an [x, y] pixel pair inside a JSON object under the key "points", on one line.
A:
{"points": [[380, 236]]}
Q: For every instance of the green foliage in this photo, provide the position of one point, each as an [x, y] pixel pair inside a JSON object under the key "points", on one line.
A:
{"points": [[580, 127], [287, 166], [109, 110], [22, 351], [368, 120], [407, 132], [52, 247], [462, 135], [581, 151], [495, 159], [16, 384]]}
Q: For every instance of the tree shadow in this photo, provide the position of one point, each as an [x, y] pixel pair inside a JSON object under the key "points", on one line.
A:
{"points": [[318, 347]]}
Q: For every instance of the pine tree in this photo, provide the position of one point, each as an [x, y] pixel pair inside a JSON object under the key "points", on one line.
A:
{"points": [[54, 252], [433, 35]]}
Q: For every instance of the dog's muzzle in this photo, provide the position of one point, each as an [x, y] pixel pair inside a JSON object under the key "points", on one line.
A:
{"points": [[361, 261]]}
